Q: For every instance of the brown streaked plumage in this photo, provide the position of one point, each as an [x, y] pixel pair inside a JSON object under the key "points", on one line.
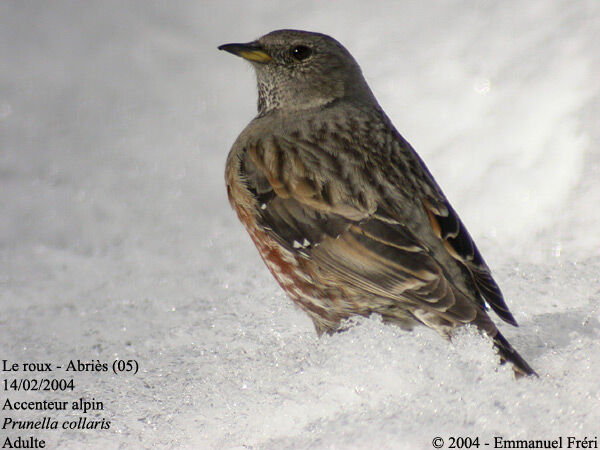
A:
{"points": [[342, 209]]}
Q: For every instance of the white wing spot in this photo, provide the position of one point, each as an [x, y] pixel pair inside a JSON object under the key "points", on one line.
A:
{"points": [[306, 243], [263, 206], [297, 244]]}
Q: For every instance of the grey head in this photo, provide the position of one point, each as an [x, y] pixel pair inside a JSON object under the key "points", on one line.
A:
{"points": [[301, 70]]}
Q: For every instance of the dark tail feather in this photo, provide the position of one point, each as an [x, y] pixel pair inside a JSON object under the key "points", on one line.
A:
{"points": [[508, 353]]}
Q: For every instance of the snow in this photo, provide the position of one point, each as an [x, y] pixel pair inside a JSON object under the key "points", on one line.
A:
{"points": [[117, 241]]}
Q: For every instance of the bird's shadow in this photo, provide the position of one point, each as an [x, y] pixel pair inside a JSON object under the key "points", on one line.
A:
{"points": [[556, 331]]}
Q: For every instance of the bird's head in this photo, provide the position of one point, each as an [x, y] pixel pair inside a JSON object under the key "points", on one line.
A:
{"points": [[300, 70]]}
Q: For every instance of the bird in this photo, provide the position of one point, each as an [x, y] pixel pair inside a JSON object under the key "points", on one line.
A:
{"points": [[343, 211]]}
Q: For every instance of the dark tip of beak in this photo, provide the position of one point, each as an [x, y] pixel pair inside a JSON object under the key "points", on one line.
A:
{"points": [[231, 48], [236, 49]]}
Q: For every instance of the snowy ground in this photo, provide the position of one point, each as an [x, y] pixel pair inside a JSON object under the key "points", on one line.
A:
{"points": [[116, 239]]}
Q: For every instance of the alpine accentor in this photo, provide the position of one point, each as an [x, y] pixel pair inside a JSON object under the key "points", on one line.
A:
{"points": [[342, 209]]}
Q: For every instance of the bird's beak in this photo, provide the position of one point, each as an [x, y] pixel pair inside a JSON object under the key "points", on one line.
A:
{"points": [[252, 51]]}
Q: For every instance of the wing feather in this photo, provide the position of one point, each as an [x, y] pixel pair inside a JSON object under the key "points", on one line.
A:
{"points": [[457, 240]]}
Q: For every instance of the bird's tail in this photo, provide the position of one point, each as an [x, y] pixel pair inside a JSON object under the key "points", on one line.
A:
{"points": [[508, 353]]}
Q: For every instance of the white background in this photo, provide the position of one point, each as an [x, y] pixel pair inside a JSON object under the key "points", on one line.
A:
{"points": [[116, 238]]}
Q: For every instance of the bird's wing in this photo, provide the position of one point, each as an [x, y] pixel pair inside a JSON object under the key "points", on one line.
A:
{"points": [[308, 203], [448, 227]]}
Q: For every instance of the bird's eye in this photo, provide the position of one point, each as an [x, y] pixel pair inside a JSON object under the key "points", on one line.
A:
{"points": [[301, 52]]}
